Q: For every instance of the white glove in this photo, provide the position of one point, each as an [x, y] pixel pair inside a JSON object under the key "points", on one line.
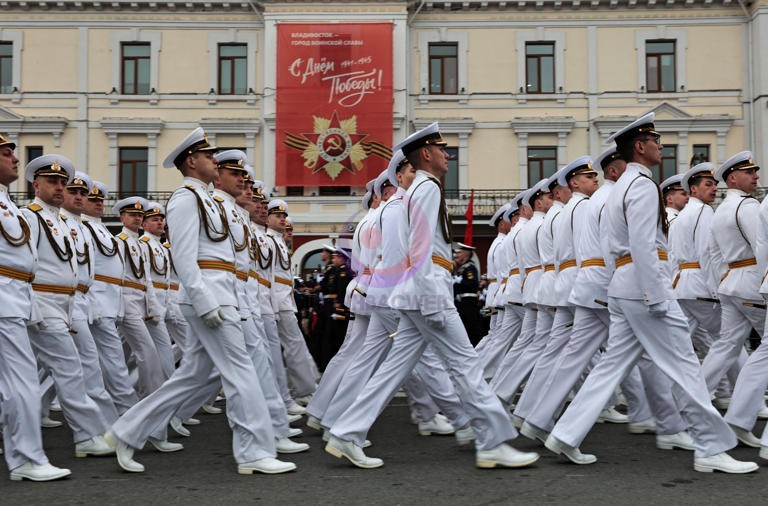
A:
{"points": [[214, 317], [457, 280], [277, 316], [659, 309], [436, 320], [334, 316]]}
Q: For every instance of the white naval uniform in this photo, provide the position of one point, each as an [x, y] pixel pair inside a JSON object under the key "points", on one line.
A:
{"points": [[518, 361], [748, 392], [493, 288], [137, 298], [222, 347], [174, 321], [51, 340], [104, 302], [299, 365], [81, 316], [364, 260], [511, 297], [567, 270], [734, 231], [159, 273], [429, 387], [426, 290], [634, 233], [19, 387], [262, 254]]}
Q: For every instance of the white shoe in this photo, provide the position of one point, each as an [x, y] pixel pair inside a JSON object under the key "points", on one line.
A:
{"points": [[296, 409], [763, 452], [351, 452], [573, 454], [48, 423], [211, 409], [724, 463], [55, 406], [165, 446], [285, 445], [763, 413], [314, 423], [124, 453], [178, 428], [465, 436], [504, 456], [303, 401], [534, 433], [293, 432], [438, 425], [610, 415], [96, 446], [191, 421], [293, 418], [266, 465], [647, 426], [517, 421], [38, 472], [681, 440], [746, 438]]}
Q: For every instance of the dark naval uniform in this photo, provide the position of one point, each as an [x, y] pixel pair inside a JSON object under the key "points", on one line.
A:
{"points": [[339, 315], [466, 284]]}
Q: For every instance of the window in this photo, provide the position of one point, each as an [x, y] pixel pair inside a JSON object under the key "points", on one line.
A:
{"points": [[660, 65], [294, 191], [332, 191], [32, 153], [443, 68], [700, 154], [6, 65], [232, 69], [668, 165], [542, 162], [135, 68], [133, 171], [540, 67], [451, 179]]}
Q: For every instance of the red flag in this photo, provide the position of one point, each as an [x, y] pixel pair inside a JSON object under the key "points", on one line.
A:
{"points": [[468, 215]]}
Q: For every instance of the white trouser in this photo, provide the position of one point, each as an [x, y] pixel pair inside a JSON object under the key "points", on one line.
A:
{"points": [[300, 368], [57, 354], [134, 331], [337, 367], [558, 338], [162, 340], [489, 336], [256, 345], [488, 417], [276, 357], [749, 391], [519, 362], [92, 375], [177, 329], [113, 366], [527, 333], [430, 374], [222, 347], [666, 340], [19, 396], [737, 321], [504, 338]]}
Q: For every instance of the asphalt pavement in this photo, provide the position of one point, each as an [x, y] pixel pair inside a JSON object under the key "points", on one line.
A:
{"points": [[417, 471]]}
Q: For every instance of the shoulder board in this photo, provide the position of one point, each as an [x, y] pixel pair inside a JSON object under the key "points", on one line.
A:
{"points": [[217, 198], [144, 239], [62, 217], [122, 236], [167, 245], [85, 220], [189, 186], [34, 207]]}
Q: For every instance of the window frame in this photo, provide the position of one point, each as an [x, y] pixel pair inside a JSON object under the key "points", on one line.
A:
{"points": [[136, 64], [443, 65], [539, 160], [6, 81], [695, 158], [538, 58], [233, 61], [658, 86], [124, 192], [32, 152], [668, 166]]}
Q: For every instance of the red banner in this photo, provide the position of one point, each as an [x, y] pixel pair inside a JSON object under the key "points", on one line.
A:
{"points": [[334, 103]]}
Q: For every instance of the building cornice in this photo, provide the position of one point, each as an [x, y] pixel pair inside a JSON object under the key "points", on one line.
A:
{"points": [[115, 126]]}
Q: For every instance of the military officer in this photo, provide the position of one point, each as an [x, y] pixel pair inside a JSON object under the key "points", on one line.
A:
{"points": [[428, 316], [675, 196], [466, 284], [19, 385], [53, 289], [339, 316], [104, 300], [644, 316], [204, 256]]}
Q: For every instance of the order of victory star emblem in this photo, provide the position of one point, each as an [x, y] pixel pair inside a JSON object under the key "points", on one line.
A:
{"points": [[335, 146]]}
